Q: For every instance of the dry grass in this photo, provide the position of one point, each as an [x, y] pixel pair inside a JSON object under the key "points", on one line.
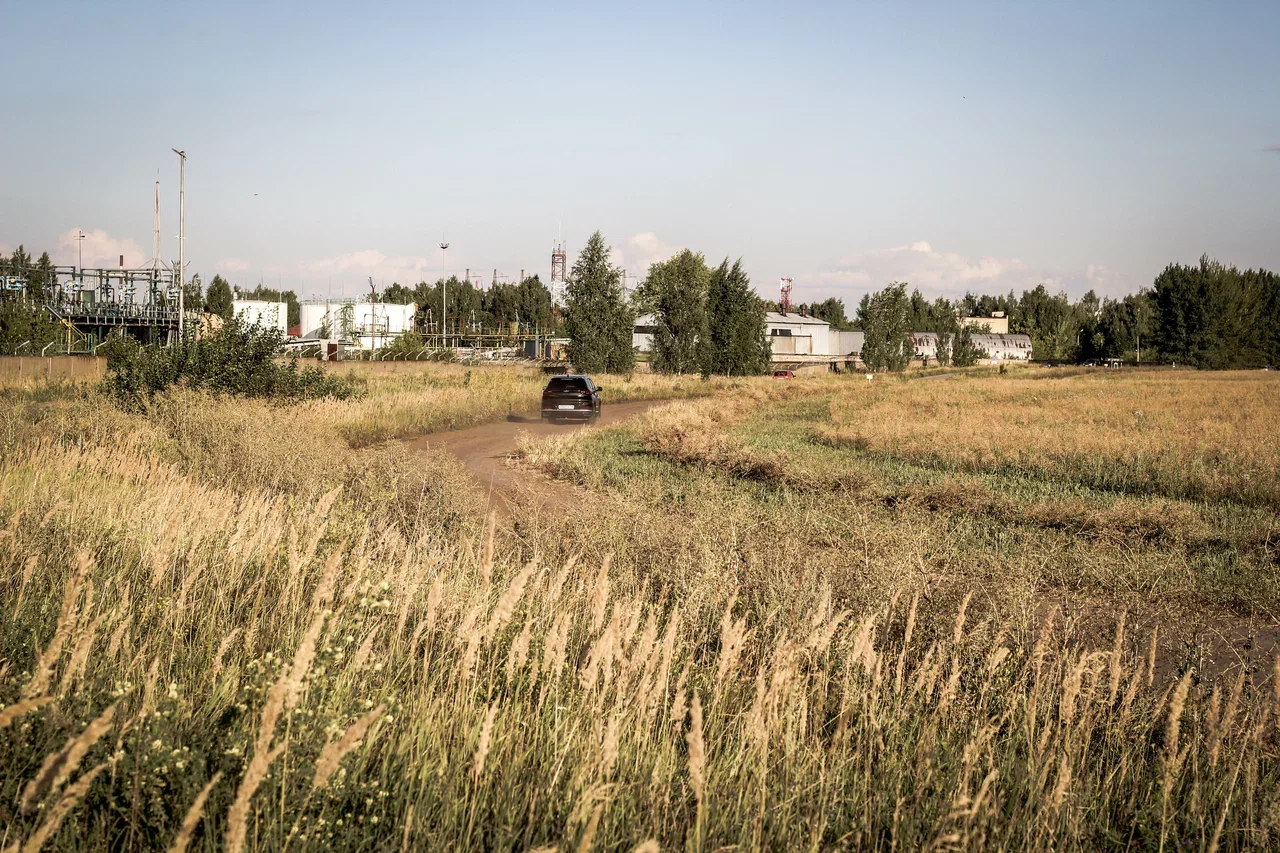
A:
{"points": [[370, 668], [1197, 436]]}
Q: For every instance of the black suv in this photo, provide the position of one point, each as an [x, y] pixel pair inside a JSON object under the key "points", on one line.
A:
{"points": [[571, 397]]}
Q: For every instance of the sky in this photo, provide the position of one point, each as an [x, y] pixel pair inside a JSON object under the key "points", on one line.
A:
{"points": [[958, 146]]}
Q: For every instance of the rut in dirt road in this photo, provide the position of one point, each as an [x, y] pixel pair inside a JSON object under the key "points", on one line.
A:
{"points": [[483, 451]]}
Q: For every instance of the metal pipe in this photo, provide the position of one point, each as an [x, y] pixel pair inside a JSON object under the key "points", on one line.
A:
{"points": [[46, 348]]}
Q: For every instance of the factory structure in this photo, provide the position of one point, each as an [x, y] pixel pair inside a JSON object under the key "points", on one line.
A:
{"points": [[260, 312], [367, 325]]}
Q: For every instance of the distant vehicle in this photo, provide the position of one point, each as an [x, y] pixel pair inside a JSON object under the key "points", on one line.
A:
{"points": [[571, 397], [783, 374], [1093, 362]]}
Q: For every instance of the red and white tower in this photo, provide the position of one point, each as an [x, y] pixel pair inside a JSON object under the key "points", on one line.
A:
{"points": [[784, 304], [559, 270]]}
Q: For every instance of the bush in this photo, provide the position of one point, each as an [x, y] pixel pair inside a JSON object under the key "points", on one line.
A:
{"points": [[237, 359]]}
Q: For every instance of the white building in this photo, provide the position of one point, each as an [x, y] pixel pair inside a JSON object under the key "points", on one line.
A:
{"points": [[795, 334], [366, 324], [926, 344], [997, 323], [996, 347], [788, 334], [258, 312], [1004, 347], [642, 334]]}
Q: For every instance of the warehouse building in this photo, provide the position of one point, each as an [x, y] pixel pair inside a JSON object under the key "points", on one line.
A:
{"points": [[996, 347]]}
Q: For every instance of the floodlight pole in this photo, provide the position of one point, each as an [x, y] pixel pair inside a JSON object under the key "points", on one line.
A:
{"points": [[182, 235]]}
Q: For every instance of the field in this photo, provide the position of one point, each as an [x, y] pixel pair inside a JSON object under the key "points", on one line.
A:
{"points": [[979, 611]]}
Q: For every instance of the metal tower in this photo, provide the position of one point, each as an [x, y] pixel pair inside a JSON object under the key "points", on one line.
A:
{"points": [[558, 274]]}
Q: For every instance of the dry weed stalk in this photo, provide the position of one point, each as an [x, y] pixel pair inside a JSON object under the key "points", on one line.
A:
{"points": [[334, 751], [194, 814], [60, 810], [58, 766], [482, 742], [21, 708]]}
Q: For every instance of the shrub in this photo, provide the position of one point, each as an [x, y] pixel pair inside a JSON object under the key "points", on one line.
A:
{"points": [[236, 359]]}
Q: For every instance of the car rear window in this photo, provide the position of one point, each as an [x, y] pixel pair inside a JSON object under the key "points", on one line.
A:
{"points": [[564, 383]]}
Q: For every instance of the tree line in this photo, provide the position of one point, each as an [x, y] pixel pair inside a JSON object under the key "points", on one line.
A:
{"points": [[1207, 315], [705, 320]]}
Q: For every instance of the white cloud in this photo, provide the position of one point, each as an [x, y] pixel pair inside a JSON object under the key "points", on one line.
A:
{"points": [[934, 273], [948, 274], [232, 265], [100, 249], [635, 254], [406, 269]]}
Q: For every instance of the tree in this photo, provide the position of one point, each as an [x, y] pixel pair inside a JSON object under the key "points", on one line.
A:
{"points": [[886, 346], [464, 302], [288, 297], [22, 323], [40, 281], [736, 344], [675, 292], [218, 298], [192, 295], [597, 318], [831, 310], [1217, 317], [965, 353], [397, 294]]}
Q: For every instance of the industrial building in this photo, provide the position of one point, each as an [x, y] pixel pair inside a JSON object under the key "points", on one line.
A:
{"points": [[259, 312], [997, 323], [368, 325], [996, 347], [796, 334], [789, 334]]}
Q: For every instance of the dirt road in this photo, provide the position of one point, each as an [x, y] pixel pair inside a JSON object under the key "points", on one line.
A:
{"points": [[483, 451]]}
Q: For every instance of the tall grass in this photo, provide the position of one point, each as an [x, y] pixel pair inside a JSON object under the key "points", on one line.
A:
{"points": [[192, 662]]}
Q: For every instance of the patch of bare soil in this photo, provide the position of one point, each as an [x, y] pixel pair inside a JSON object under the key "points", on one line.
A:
{"points": [[484, 450]]}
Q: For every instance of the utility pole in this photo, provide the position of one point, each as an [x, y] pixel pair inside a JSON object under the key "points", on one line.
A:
{"points": [[444, 289], [80, 244], [182, 237]]}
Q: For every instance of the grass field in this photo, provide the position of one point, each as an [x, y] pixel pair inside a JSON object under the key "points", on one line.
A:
{"points": [[956, 614]]}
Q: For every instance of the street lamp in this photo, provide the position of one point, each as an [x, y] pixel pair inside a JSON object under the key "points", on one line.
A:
{"points": [[444, 289], [182, 234]]}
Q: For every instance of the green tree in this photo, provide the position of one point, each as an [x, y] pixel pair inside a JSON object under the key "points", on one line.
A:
{"points": [[192, 295], [288, 297], [675, 292], [22, 323], [40, 281], [218, 298], [886, 346], [464, 302], [534, 300], [964, 352], [736, 340], [831, 310], [597, 319], [1217, 317], [397, 294]]}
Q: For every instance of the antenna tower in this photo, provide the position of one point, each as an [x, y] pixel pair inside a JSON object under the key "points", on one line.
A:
{"points": [[558, 274], [784, 304]]}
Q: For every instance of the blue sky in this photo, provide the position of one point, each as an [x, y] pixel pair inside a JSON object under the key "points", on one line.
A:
{"points": [[958, 146]]}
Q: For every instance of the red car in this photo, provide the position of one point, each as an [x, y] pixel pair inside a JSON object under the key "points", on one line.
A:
{"points": [[783, 374]]}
